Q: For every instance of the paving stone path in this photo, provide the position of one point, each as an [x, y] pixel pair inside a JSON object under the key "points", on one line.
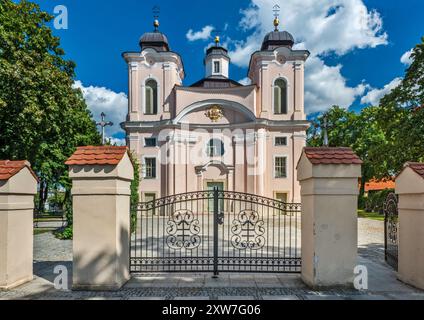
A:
{"points": [[383, 285]]}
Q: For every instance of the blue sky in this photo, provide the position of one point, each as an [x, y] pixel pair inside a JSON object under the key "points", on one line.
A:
{"points": [[356, 45]]}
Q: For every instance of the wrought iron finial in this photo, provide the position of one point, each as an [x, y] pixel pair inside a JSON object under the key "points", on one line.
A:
{"points": [[104, 124], [156, 12], [276, 10]]}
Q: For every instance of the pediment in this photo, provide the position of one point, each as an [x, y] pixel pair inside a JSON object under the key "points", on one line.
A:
{"points": [[210, 113]]}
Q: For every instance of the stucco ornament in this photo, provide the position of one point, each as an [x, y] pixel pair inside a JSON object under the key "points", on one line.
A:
{"points": [[215, 113]]}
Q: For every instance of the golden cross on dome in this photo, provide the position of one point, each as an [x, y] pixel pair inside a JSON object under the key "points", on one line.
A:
{"points": [[276, 10]]}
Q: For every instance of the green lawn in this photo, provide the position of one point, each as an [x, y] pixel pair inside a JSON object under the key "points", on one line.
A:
{"points": [[370, 215]]}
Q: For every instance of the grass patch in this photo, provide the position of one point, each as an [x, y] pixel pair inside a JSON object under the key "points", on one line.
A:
{"points": [[370, 215]]}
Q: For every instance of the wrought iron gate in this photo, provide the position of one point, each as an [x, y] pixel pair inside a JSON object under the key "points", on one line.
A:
{"points": [[391, 230], [213, 231]]}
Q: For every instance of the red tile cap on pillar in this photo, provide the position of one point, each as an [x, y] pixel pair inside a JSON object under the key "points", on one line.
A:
{"points": [[417, 167], [327, 155], [10, 168], [103, 155]]}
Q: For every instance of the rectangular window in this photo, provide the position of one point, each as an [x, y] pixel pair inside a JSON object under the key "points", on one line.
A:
{"points": [[150, 168], [281, 196], [150, 142], [280, 141], [216, 67], [149, 197], [280, 167]]}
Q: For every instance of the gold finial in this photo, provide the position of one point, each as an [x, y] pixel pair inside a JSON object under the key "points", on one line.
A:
{"points": [[217, 40], [156, 24], [276, 23]]}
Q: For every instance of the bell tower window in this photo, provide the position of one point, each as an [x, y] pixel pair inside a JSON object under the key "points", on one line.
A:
{"points": [[216, 67], [280, 96], [151, 94]]}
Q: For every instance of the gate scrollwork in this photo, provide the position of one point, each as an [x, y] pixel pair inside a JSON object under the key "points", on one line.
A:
{"points": [[248, 231], [183, 231]]}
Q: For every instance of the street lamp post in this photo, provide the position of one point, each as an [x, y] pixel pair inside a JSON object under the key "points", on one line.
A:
{"points": [[325, 130]]}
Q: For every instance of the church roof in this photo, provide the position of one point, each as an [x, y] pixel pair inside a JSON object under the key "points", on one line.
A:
{"points": [[216, 82], [156, 40], [217, 50], [277, 39]]}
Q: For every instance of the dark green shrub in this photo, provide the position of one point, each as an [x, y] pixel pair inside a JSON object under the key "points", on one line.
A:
{"points": [[64, 234], [376, 199]]}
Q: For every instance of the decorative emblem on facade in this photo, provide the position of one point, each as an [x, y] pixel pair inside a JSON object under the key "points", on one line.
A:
{"points": [[215, 113], [248, 231], [183, 231]]}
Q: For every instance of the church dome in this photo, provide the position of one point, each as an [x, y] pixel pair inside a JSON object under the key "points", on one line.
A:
{"points": [[277, 39], [156, 40]]}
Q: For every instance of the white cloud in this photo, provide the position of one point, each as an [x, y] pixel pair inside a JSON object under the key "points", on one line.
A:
{"points": [[406, 58], [325, 86], [117, 141], [322, 27], [245, 81], [101, 99], [204, 34], [374, 96]]}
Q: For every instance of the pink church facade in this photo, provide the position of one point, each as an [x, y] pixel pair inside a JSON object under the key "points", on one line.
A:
{"points": [[217, 132]]}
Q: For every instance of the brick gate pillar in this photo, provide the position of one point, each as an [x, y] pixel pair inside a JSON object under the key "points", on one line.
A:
{"points": [[329, 193], [101, 178], [18, 185], [410, 188]]}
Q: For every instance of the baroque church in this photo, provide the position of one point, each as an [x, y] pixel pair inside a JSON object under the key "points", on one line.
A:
{"points": [[216, 132]]}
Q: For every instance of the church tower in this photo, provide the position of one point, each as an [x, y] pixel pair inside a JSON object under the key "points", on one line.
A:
{"points": [[278, 70], [153, 73], [217, 61]]}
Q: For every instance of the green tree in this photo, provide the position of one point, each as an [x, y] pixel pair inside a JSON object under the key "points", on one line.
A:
{"points": [[42, 117], [404, 108], [359, 131], [135, 195]]}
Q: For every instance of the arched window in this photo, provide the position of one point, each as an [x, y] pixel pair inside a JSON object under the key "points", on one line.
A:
{"points": [[151, 97], [215, 148], [280, 96]]}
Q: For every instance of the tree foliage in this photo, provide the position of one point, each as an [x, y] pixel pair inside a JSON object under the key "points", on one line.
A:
{"points": [[384, 136], [42, 117]]}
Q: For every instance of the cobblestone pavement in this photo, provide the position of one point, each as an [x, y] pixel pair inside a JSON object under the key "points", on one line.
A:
{"points": [[50, 252]]}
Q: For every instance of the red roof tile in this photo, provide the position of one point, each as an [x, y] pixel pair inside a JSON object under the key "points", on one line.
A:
{"points": [[103, 155], [375, 185], [332, 156], [10, 168], [417, 167]]}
